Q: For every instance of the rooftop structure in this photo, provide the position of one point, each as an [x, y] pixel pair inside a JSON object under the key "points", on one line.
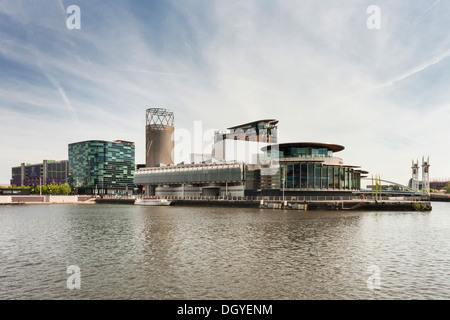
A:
{"points": [[257, 131], [243, 143]]}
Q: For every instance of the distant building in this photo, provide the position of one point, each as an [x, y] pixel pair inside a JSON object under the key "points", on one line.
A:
{"points": [[42, 173], [102, 167], [439, 185]]}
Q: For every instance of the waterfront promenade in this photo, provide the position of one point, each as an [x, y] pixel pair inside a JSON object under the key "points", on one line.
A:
{"points": [[288, 203], [46, 199], [294, 203]]}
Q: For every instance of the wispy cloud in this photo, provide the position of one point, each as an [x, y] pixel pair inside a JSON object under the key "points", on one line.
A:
{"points": [[312, 65], [416, 69], [423, 14]]}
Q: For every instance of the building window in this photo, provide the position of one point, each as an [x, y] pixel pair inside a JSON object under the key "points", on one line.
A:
{"points": [[317, 175], [324, 177], [290, 176], [297, 175], [304, 175], [310, 175], [336, 178], [330, 178]]}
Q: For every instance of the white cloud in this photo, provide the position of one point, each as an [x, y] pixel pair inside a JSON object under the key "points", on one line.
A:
{"points": [[312, 65]]}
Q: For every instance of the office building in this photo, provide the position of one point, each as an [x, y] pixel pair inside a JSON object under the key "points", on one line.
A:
{"points": [[45, 173], [102, 167]]}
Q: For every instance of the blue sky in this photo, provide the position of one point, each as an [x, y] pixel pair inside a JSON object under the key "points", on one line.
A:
{"points": [[313, 65]]}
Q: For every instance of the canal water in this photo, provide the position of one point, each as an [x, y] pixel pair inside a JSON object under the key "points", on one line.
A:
{"points": [[133, 252]]}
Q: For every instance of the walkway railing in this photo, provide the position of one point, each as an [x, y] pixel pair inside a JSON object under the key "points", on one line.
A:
{"points": [[295, 198]]}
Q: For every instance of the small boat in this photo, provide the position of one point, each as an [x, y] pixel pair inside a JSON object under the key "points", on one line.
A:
{"points": [[152, 201]]}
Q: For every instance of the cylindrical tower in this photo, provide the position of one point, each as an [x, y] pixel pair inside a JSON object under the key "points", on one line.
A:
{"points": [[159, 137]]}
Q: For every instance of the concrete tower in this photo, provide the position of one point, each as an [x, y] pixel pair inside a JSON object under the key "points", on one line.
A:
{"points": [[159, 137], [426, 176], [415, 175]]}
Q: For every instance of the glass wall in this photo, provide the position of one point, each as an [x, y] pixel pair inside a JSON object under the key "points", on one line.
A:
{"points": [[290, 176], [304, 175], [330, 178], [310, 176], [313, 175], [317, 174], [295, 152], [297, 176], [101, 164], [200, 174]]}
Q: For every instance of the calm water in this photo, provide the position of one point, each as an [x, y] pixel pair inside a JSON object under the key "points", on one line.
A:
{"points": [[132, 252]]}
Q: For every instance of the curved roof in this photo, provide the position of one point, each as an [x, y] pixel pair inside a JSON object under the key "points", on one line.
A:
{"points": [[282, 146]]}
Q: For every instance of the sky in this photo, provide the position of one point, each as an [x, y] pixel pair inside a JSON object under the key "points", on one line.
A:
{"points": [[373, 76]]}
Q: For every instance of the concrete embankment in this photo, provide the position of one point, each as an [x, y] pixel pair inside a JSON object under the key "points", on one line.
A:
{"points": [[440, 197], [313, 205], [115, 201], [383, 205], [45, 200]]}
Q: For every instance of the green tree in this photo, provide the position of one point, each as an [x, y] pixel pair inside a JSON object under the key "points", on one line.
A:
{"points": [[447, 188], [53, 188], [65, 189], [45, 189]]}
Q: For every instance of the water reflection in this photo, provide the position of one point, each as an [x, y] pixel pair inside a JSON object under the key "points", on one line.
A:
{"points": [[133, 252]]}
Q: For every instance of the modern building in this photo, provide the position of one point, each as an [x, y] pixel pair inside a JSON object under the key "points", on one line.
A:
{"points": [[102, 167], [306, 168], [192, 180], [288, 169], [47, 172]]}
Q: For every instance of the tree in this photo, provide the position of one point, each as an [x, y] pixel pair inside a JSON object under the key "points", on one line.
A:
{"points": [[44, 189], [447, 188], [65, 189], [53, 188]]}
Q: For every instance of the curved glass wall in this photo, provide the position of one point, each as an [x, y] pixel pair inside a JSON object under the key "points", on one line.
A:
{"points": [[313, 175]]}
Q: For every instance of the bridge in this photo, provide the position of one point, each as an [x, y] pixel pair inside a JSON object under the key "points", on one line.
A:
{"points": [[404, 190]]}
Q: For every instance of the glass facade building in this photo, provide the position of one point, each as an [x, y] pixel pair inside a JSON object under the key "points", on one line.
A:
{"points": [[97, 166], [308, 175], [309, 167]]}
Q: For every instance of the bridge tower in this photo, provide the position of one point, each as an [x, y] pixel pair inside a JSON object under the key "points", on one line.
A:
{"points": [[415, 175], [426, 176]]}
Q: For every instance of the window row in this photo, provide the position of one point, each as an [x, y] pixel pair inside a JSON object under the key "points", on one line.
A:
{"points": [[316, 176]]}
